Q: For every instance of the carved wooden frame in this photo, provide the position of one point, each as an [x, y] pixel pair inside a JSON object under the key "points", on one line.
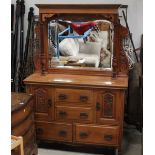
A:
{"points": [[47, 12]]}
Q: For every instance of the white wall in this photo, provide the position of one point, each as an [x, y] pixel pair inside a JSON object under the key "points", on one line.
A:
{"points": [[135, 12]]}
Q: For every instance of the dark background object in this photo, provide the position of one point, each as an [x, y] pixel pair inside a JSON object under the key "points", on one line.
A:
{"points": [[14, 52], [19, 56], [21, 52], [28, 49], [12, 16], [125, 19], [12, 30], [134, 107], [30, 16]]}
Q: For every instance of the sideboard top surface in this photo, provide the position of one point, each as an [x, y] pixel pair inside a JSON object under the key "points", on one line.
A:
{"points": [[78, 80]]}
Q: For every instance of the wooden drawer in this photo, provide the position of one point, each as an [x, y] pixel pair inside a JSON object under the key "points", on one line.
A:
{"points": [[19, 115], [107, 135], [24, 126], [68, 96], [54, 131], [76, 114]]}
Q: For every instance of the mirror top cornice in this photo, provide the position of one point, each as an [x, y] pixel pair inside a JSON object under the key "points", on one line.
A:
{"points": [[75, 8]]}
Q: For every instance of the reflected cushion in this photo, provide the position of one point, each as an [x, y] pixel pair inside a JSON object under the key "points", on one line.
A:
{"points": [[90, 51], [69, 47], [90, 47]]}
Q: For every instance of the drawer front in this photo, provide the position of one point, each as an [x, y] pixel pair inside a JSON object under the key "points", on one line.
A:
{"points": [[20, 115], [105, 135], [83, 97], [54, 131], [23, 127], [76, 114]]}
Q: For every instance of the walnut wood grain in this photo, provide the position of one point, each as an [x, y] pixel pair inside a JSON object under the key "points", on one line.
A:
{"points": [[29, 136], [19, 100], [19, 116], [21, 129], [22, 121]]}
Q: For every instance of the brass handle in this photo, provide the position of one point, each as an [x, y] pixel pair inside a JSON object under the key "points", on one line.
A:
{"points": [[62, 97], [39, 131], [108, 137], [83, 134], [62, 133], [83, 115], [49, 102], [98, 106], [62, 114], [83, 98]]}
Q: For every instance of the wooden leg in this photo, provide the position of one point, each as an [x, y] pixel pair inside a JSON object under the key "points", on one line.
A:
{"points": [[118, 151]]}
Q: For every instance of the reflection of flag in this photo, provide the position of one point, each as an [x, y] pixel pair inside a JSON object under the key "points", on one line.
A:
{"points": [[82, 27]]}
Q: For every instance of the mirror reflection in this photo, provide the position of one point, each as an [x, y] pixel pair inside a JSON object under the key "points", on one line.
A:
{"points": [[80, 44]]}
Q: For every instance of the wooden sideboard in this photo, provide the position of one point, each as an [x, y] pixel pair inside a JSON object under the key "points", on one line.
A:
{"points": [[22, 121], [79, 105], [87, 110]]}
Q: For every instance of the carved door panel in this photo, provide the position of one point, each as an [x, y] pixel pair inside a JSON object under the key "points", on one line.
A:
{"points": [[44, 108], [108, 106]]}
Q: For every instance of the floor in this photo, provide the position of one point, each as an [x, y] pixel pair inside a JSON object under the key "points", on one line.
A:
{"points": [[132, 145]]}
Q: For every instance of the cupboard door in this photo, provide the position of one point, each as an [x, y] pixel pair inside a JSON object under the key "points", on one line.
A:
{"points": [[109, 106], [44, 108]]}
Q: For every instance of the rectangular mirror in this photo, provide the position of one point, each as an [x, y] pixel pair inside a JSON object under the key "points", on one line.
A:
{"points": [[80, 43]]}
